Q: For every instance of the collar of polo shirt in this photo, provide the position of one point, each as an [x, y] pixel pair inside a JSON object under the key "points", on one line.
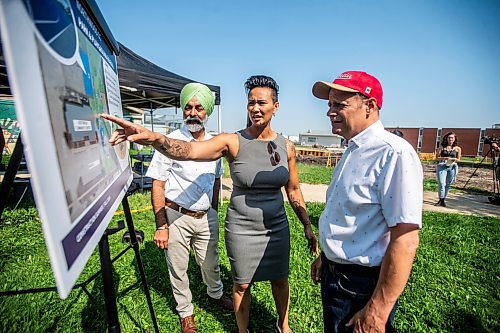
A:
{"points": [[363, 137]]}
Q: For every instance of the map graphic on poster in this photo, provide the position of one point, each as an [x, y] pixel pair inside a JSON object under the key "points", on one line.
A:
{"points": [[64, 75], [9, 125]]}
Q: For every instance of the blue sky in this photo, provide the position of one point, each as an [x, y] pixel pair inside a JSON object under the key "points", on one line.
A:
{"points": [[438, 60]]}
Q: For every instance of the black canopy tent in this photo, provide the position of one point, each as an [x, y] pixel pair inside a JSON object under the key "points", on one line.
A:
{"points": [[143, 85], [148, 86]]}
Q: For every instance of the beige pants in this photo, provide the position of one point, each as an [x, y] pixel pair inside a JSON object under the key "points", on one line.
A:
{"points": [[202, 235]]}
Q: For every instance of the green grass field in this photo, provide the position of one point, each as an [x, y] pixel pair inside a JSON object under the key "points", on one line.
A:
{"points": [[310, 174], [453, 288]]}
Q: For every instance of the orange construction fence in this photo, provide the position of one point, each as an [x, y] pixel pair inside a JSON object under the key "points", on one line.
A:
{"points": [[427, 156], [311, 152], [332, 158]]}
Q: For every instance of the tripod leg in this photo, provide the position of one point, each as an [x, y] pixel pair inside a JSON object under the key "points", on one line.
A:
{"points": [[108, 286], [468, 180], [135, 246]]}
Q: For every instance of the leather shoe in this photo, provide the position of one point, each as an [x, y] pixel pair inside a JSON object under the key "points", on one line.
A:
{"points": [[188, 325], [225, 302]]}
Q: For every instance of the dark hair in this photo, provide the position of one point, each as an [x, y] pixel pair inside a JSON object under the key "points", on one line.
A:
{"points": [[398, 133], [262, 81], [444, 141]]}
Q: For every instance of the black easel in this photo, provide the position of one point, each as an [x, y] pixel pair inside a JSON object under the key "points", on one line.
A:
{"points": [[104, 254], [10, 173]]}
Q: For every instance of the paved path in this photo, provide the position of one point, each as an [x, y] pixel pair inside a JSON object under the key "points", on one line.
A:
{"points": [[467, 204]]}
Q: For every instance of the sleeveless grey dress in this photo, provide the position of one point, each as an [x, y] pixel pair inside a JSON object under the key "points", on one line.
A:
{"points": [[256, 230]]}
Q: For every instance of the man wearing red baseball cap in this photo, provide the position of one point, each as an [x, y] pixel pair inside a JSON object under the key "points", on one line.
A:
{"points": [[368, 231]]}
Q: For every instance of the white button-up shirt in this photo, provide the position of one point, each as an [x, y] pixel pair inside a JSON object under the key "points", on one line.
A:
{"points": [[376, 185], [188, 183]]}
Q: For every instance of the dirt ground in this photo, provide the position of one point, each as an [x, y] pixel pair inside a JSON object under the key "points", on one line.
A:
{"points": [[482, 178]]}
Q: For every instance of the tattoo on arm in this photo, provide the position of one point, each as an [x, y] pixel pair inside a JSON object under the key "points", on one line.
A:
{"points": [[291, 147], [300, 211], [176, 149]]}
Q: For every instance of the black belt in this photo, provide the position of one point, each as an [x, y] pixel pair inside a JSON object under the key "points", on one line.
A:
{"points": [[350, 268], [196, 214]]}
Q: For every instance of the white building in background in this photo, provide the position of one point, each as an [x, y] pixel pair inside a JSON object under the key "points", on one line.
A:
{"points": [[162, 123], [322, 139], [292, 138]]}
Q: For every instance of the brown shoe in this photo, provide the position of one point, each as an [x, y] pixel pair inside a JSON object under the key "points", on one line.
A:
{"points": [[225, 302], [188, 325]]}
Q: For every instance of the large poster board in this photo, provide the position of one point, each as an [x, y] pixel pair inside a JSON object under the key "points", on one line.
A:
{"points": [[63, 74]]}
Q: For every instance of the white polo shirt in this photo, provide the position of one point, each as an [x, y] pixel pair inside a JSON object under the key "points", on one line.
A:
{"points": [[188, 183], [376, 185]]}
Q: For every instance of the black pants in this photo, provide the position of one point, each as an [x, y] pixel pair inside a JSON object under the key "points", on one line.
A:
{"points": [[345, 289]]}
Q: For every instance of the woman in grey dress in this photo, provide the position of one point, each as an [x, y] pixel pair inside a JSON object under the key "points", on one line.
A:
{"points": [[261, 163]]}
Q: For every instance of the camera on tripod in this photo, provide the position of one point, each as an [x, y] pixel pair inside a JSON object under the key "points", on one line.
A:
{"points": [[493, 150], [489, 140]]}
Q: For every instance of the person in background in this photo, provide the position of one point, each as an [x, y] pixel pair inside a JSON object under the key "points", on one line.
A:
{"points": [[261, 162], [368, 232], [185, 197], [496, 160], [446, 171]]}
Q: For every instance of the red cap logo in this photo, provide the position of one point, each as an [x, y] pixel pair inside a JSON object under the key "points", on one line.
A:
{"points": [[361, 82]]}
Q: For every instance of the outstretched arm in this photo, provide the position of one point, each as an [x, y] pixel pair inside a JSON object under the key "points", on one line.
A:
{"points": [[296, 199], [208, 150]]}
